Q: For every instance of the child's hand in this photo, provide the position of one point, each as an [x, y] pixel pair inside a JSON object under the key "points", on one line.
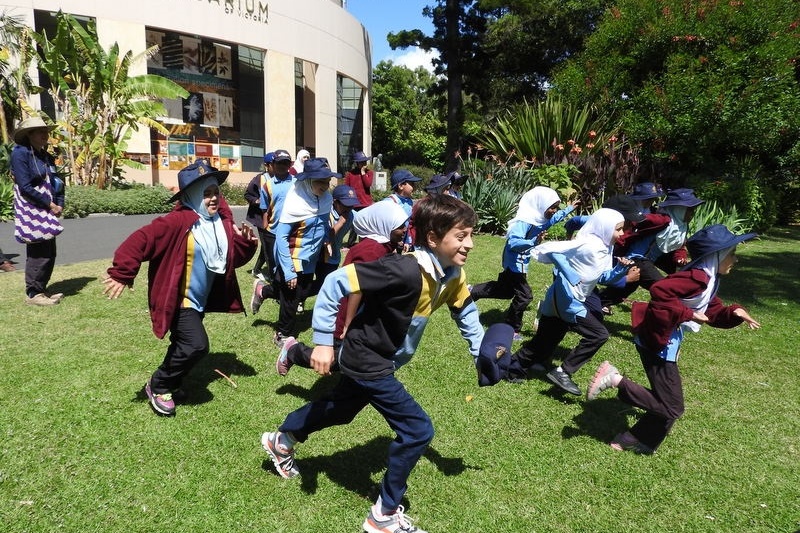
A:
{"points": [[322, 359], [744, 315], [632, 276], [245, 231], [113, 288], [699, 317]]}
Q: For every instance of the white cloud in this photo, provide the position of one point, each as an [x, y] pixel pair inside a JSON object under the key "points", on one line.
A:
{"points": [[413, 57]]}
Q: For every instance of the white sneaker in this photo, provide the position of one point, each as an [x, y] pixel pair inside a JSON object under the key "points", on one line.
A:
{"points": [[40, 299], [394, 523]]}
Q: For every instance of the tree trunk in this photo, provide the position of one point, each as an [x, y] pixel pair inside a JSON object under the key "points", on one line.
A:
{"points": [[455, 111]]}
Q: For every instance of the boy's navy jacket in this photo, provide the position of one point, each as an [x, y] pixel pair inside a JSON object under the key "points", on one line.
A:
{"points": [[399, 293], [494, 359]]}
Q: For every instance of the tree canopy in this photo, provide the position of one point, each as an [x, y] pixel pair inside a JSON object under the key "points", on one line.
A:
{"points": [[494, 54], [407, 119], [698, 83]]}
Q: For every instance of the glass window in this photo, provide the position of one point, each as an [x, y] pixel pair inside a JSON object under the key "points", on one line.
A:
{"points": [[350, 119]]}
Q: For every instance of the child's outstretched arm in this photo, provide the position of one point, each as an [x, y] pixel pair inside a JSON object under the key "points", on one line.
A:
{"points": [[746, 318]]}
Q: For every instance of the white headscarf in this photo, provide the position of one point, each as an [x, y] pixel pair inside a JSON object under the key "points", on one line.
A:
{"points": [[710, 265], [377, 221], [301, 203], [590, 253], [208, 232], [673, 236], [533, 204], [299, 160]]}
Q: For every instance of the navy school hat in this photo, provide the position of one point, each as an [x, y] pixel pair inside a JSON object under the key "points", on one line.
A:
{"points": [[713, 239], [438, 183], [630, 208], [646, 190], [269, 157], [456, 178], [401, 175], [346, 195], [317, 168], [198, 169], [360, 157], [494, 356], [682, 197]]}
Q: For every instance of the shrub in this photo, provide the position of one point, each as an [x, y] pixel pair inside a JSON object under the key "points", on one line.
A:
{"points": [[494, 189], [6, 199], [138, 200], [493, 200], [710, 213], [234, 193], [744, 188]]}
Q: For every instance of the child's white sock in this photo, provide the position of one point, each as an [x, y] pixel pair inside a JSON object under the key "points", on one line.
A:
{"points": [[286, 440], [379, 511]]}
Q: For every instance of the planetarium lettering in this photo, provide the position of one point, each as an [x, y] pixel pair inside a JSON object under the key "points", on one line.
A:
{"points": [[254, 10]]}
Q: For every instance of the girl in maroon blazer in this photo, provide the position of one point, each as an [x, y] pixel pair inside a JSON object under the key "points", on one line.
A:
{"points": [[679, 304], [193, 252]]}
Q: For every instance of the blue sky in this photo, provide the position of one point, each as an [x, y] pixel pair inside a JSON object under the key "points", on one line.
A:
{"points": [[381, 17]]}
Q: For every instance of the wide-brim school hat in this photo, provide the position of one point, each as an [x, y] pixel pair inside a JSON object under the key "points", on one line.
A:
{"points": [[191, 174], [630, 208], [457, 178], [646, 190], [317, 168], [681, 197], [712, 239], [402, 175], [494, 356], [28, 125], [360, 157], [437, 183]]}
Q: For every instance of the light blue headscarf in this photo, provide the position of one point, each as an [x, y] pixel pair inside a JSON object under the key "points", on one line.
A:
{"points": [[208, 231], [673, 236]]}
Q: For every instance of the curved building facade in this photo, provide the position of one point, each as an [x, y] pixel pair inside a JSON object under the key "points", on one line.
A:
{"points": [[262, 75]]}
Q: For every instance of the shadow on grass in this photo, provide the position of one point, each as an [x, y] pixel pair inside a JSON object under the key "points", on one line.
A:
{"points": [[321, 387], [195, 384], [493, 316], [760, 277], [269, 317], [620, 331], [70, 287], [600, 419], [353, 469]]}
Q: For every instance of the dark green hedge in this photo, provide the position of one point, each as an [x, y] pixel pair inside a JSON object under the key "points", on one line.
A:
{"points": [[135, 200]]}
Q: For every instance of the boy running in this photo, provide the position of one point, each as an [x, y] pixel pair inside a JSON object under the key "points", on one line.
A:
{"points": [[399, 293]]}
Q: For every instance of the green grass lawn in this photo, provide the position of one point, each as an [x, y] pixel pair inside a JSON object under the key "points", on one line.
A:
{"points": [[81, 451]]}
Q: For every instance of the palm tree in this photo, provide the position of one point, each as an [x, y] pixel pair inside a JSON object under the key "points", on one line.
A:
{"points": [[16, 52], [101, 104]]}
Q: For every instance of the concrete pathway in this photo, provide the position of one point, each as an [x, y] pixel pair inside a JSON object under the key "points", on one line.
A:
{"points": [[87, 239]]}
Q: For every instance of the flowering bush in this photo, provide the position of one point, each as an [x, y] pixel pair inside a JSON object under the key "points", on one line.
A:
{"points": [[564, 147]]}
